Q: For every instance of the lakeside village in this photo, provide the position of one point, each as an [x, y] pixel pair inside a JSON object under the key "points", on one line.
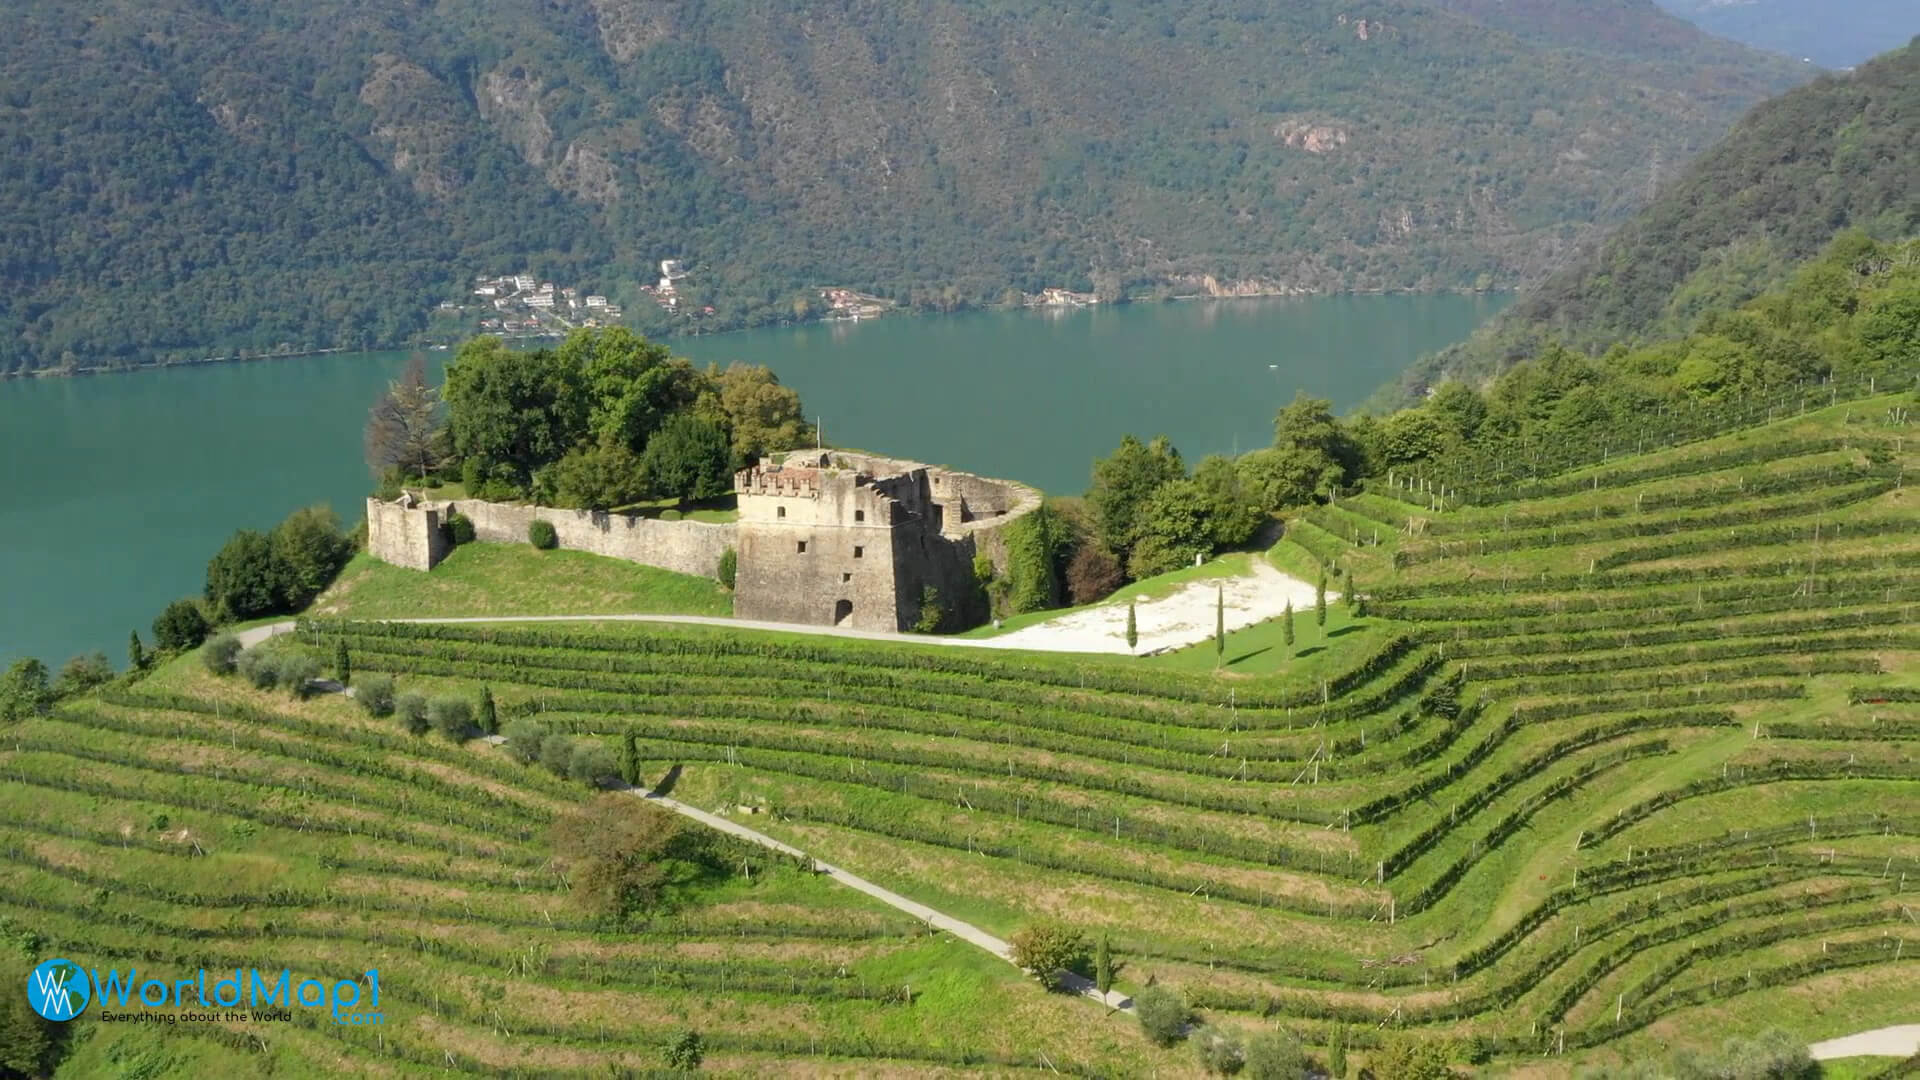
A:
{"points": [[522, 306]]}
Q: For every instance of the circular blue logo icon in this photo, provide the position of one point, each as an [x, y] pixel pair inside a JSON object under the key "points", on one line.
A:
{"points": [[58, 990]]}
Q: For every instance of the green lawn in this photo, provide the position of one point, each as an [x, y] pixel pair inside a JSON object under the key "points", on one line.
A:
{"points": [[1261, 649], [518, 579]]}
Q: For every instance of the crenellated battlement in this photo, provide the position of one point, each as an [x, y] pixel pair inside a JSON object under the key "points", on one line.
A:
{"points": [[778, 482]]}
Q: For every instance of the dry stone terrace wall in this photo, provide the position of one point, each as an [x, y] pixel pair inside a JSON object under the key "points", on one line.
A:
{"points": [[825, 538]]}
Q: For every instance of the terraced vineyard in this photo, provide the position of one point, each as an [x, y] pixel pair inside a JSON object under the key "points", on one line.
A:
{"points": [[1616, 763]]}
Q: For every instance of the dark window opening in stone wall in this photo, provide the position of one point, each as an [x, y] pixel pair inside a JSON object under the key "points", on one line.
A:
{"points": [[779, 511], [859, 515], [803, 547], [845, 577], [859, 552]]}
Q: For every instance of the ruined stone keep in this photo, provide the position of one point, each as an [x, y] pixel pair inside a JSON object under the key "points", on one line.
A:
{"points": [[825, 537]]}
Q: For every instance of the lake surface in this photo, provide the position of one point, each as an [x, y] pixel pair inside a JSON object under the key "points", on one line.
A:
{"points": [[115, 490]]}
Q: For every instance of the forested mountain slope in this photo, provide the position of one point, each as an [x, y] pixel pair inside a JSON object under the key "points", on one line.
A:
{"points": [[192, 175], [1839, 153], [1832, 33]]}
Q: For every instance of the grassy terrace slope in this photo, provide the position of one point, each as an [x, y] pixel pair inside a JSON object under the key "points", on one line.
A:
{"points": [[1616, 762], [193, 822], [1619, 766]]}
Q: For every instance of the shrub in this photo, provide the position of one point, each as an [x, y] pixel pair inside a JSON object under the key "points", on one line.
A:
{"points": [[556, 753], [1771, 1055], [297, 674], [729, 567], [1274, 1055], [486, 716], [451, 716], [1048, 950], [591, 762], [932, 614], [411, 707], [220, 653], [1092, 574], [630, 765], [1405, 1056], [375, 694], [240, 578], [541, 535], [686, 1053], [260, 667], [1219, 1052], [83, 673], [181, 626], [669, 515], [523, 740], [622, 854], [459, 528], [1163, 1015], [304, 553], [24, 691]]}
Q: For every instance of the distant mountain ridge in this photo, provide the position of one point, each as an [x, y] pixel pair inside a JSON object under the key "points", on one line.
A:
{"points": [[1841, 152], [1831, 33], [193, 175]]}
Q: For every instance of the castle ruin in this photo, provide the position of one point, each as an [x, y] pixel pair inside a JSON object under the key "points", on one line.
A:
{"points": [[824, 537]]}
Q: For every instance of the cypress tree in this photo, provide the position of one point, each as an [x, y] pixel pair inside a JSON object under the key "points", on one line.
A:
{"points": [[1320, 600], [1286, 627], [488, 719], [1103, 966], [136, 655], [342, 663], [1337, 1052], [1219, 622], [1133, 633], [630, 759], [1355, 602]]}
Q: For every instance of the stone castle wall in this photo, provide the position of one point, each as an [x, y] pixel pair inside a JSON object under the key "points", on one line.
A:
{"points": [[405, 535], [411, 537], [830, 538], [684, 547]]}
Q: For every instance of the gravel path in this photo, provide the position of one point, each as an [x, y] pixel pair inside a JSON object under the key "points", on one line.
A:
{"points": [[1183, 618], [1897, 1042]]}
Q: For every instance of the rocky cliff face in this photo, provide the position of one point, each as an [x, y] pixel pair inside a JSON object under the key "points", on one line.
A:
{"points": [[926, 149]]}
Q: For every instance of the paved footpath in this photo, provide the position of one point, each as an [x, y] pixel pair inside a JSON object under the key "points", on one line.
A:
{"points": [[1901, 1041]]}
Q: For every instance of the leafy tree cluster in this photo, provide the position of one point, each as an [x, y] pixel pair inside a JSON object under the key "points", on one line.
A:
{"points": [[257, 573], [624, 857], [1851, 313], [603, 420], [1049, 951], [1150, 516]]}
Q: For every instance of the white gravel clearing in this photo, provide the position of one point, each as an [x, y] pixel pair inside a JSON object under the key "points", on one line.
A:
{"points": [[1184, 618]]}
